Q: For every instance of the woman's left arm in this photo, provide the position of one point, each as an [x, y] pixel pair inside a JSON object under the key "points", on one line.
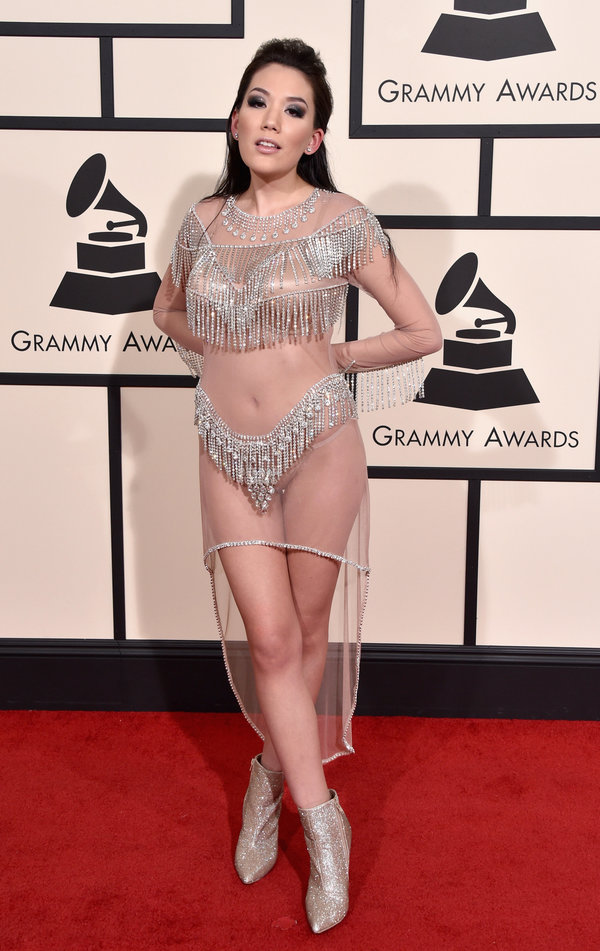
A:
{"points": [[416, 330]]}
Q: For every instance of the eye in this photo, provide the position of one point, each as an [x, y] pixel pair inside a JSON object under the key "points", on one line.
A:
{"points": [[256, 101], [296, 111]]}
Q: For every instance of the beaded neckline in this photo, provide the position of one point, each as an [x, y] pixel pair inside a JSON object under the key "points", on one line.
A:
{"points": [[270, 227]]}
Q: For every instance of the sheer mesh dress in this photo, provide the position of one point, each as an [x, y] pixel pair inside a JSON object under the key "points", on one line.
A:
{"points": [[286, 468]]}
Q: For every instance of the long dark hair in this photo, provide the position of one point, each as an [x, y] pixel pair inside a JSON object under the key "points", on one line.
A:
{"points": [[314, 169]]}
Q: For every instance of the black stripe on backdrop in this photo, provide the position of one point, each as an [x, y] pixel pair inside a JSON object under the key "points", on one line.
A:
{"points": [[486, 164], [492, 222], [115, 466], [98, 379], [472, 562], [541, 131], [107, 78], [109, 124]]}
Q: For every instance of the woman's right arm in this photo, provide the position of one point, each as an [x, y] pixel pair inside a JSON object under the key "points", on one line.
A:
{"points": [[170, 315]]}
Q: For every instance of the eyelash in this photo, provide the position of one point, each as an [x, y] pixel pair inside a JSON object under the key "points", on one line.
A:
{"points": [[295, 111]]}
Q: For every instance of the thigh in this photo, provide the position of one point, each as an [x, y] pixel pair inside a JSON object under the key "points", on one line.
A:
{"points": [[312, 580], [260, 584], [320, 507], [321, 502]]}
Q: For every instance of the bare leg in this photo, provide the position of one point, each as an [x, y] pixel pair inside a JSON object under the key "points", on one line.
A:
{"points": [[260, 584], [313, 582], [333, 482]]}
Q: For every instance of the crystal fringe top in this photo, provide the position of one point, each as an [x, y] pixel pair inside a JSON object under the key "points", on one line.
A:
{"points": [[269, 280]]}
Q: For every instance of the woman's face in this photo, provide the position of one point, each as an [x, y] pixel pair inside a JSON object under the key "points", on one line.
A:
{"points": [[275, 123]]}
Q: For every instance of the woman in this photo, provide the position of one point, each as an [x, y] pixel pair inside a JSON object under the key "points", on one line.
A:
{"points": [[259, 278]]}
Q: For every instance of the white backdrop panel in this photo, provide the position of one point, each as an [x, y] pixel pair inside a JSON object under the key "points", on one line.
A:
{"points": [[127, 11], [167, 591], [538, 556], [55, 562], [49, 76], [37, 170], [546, 176], [549, 280], [418, 538], [177, 77], [404, 85], [409, 176]]}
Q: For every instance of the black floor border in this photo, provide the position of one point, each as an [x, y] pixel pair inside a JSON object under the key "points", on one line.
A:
{"points": [[410, 680]]}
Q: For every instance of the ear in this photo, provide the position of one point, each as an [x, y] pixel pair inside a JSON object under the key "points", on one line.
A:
{"points": [[234, 121], [315, 141]]}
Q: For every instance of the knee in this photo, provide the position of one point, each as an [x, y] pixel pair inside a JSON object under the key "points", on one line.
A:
{"points": [[315, 628], [314, 639], [274, 649]]}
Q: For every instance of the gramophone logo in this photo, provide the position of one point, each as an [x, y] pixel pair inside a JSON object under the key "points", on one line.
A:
{"points": [[110, 276], [487, 33], [477, 372]]}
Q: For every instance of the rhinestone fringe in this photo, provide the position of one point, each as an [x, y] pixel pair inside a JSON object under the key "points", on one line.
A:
{"points": [[388, 386], [258, 462], [232, 290]]}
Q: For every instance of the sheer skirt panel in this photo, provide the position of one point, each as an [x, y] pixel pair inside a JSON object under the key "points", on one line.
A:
{"points": [[319, 509]]}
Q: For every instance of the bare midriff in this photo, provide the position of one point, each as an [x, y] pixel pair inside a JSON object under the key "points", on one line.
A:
{"points": [[253, 389]]}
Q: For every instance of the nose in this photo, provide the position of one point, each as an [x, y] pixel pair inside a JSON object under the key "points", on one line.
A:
{"points": [[270, 119]]}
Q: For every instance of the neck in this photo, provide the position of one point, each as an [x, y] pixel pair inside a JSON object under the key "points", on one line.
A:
{"points": [[266, 197]]}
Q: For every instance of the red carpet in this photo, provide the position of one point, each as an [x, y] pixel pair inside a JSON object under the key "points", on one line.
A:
{"points": [[118, 833]]}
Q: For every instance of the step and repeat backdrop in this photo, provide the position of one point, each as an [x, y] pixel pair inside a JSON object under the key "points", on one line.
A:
{"points": [[472, 129]]}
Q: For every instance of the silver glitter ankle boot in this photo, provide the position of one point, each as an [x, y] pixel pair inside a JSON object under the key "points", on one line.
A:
{"points": [[256, 851], [327, 833]]}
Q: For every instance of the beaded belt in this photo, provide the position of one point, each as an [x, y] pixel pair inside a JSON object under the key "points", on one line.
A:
{"points": [[258, 462]]}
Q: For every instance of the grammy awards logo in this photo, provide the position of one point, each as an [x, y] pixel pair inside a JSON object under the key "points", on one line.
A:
{"points": [[477, 372], [110, 276], [496, 37]]}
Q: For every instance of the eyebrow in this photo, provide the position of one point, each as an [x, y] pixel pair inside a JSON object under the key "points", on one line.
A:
{"points": [[289, 98]]}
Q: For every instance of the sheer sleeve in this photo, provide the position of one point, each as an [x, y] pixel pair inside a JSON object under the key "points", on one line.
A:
{"points": [[185, 248], [389, 364], [170, 313]]}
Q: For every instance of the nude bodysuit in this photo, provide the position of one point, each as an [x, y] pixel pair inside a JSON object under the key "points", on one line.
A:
{"points": [[282, 462]]}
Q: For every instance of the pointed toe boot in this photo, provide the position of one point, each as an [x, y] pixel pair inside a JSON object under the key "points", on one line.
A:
{"points": [[328, 835], [256, 851]]}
